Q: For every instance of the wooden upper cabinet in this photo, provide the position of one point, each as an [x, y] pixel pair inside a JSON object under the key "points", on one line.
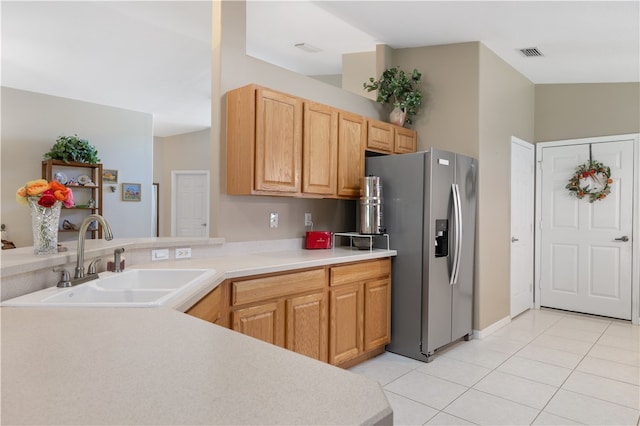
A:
{"points": [[264, 142], [405, 141], [387, 138], [352, 137], [279, 144], [380, 136], [278, 141], [319, 149]]}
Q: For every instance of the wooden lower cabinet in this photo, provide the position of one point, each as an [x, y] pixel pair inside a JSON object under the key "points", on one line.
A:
{"points": [[264, 322], [288, 310], [214, 307], [360, 309], [377, 311], [306, 325], [337, 314], [346, 323]]}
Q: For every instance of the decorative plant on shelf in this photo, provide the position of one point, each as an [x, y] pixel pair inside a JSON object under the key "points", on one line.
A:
{"points": [[402, 89], [73, 148]]}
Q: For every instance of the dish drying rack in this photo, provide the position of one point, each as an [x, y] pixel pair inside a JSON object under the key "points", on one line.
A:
{"points": [[352, 235]]}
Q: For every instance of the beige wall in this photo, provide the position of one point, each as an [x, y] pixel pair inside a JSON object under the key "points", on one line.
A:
{"points": [[356, 69], [31, 122], [474, 103], [449, 117], [246, 218], [506, 109], [570, 111], [189, 151]]}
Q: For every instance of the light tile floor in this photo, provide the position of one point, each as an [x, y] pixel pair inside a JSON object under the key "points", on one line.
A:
{"points": [[546, 367]]}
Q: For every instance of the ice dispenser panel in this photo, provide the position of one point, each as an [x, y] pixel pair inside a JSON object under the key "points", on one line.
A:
{"points": [[442, 237]]}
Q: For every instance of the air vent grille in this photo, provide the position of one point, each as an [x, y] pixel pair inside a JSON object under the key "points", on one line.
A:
{"points": [[531, 51]]}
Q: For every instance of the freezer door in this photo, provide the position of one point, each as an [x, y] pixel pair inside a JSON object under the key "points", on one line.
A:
{"points": [[402, 179], [462, 292], [437, 293]]}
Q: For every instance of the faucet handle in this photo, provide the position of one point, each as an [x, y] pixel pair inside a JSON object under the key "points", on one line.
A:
{"points": [[65, 278], [92, 266]]}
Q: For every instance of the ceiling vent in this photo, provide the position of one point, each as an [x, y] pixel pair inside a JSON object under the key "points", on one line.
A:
{"points": [[308, 47], [530, 51]]}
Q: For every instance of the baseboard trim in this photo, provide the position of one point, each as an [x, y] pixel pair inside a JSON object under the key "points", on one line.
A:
{"points": [[484, 333]]}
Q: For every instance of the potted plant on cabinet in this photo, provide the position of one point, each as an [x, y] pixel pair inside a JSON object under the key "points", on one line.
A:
{"points": [[402, 89], [73, 148]]}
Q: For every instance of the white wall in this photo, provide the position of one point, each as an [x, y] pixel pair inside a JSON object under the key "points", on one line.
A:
{"points": [[31, 122], [189, 151]]}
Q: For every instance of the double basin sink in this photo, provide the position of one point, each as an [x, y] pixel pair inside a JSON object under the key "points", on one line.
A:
{"points": [[131, 288]]}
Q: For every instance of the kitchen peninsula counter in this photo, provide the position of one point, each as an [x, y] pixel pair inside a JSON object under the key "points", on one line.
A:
{"points": [[160, 366]]}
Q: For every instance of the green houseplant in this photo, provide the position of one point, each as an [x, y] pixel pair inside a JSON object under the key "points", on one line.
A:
{"points": [[73, 148], [399, 88]]}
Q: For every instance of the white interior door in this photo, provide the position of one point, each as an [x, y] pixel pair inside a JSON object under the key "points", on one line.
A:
{"points": [[586, 264], [190, 203], [522, 212]]}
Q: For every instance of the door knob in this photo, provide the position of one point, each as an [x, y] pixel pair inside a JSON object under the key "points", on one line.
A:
{"points": [[514, 239], [623, 239]]}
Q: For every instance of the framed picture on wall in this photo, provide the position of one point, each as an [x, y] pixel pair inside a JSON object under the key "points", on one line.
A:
{"points": [[131, 192], [109, 176]]}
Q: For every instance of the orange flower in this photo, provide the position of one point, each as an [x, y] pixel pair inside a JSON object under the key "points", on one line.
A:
{"points": [[36, 187], [21, 196], [609, 181]]}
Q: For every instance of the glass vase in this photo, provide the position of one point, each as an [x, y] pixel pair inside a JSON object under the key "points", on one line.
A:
{"points": [[44, 222]]}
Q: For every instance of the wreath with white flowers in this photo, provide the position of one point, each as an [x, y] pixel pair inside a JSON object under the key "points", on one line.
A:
{"points": [[592, 179]]}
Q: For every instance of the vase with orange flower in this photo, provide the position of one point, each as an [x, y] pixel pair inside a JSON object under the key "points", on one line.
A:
{"points": [[45, 200]]}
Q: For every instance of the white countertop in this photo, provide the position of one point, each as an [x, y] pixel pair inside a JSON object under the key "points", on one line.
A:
{"points": [[159, 366]]}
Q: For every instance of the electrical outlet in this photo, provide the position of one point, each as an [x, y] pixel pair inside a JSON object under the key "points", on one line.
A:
{"points": [[183, 253], [161, 254], [273, 220], [307, 219]]}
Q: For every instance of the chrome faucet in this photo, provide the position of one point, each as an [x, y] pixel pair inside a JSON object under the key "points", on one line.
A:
{"points": [[79, 276]]}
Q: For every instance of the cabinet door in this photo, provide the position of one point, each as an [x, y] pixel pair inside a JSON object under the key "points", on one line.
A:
{"points": [[405, 141], [214, 307], [380, 136], [351, 141], [278, 142], [306, 331], [346, 323], [377, 313], [264, 322], [319, 149]]}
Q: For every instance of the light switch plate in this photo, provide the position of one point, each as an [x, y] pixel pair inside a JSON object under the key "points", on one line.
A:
{"points": [[161, 254]]}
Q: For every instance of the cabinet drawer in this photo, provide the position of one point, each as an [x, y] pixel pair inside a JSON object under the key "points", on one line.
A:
{"points": [[360, 271], [254, 290]]}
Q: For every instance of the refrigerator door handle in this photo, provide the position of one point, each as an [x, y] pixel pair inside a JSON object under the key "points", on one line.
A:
{"points": [[457, 217]]}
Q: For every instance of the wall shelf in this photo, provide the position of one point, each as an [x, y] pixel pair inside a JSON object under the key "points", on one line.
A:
{"points": [[81, 193]]}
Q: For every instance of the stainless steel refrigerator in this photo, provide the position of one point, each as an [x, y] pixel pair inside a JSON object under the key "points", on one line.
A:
{"points": [[429, 211]]}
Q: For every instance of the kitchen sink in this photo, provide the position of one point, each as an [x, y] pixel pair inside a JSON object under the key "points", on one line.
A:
{"points": [[131, 288], [147, 279], [90, 294]]}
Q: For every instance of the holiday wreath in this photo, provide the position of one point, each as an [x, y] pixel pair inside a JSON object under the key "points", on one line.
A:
{"points": [[598, 181]]}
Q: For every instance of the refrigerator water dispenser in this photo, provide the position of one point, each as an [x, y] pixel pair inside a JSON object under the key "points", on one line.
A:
{"points": [[442, 238]]}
